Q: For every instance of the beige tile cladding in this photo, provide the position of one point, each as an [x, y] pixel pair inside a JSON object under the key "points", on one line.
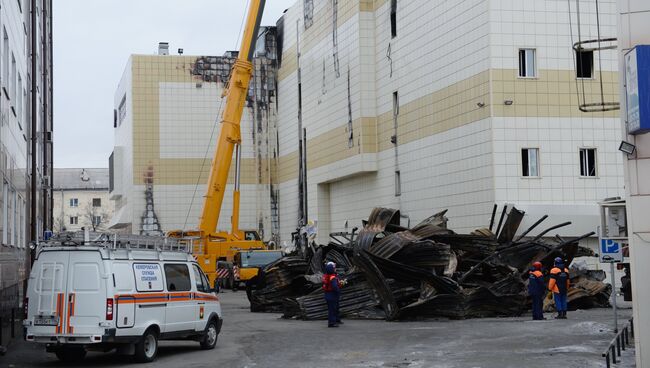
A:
{"points": [[148, 72], [553, 94]]}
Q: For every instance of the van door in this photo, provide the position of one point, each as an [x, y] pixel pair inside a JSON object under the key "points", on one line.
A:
{"points": [[124, 299], [201, 310], [180, 308], [86, 299], [49, 289], [150, 300]]}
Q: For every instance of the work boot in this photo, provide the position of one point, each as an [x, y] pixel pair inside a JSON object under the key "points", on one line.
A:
{"points": [[332, 325], [563, 314], [559, 315]]}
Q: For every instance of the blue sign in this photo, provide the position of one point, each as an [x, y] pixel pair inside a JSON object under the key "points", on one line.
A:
{"points": [[637, 89], [610, 251]]}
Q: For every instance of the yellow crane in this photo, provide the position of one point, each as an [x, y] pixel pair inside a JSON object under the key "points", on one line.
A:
{"points": [[211, 245]]}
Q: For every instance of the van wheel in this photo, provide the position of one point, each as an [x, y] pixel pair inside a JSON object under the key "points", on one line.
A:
{"points": [[71, 354], [209, 340], [147, 348]]}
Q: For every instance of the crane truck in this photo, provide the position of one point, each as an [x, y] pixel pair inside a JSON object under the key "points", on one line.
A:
{"points": [[213, 247]]}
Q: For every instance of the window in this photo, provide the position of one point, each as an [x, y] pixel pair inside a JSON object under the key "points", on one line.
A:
{"points": [[15, 216], [5, 62], [12, 80], [19, 99], [398, 183], [74, 202], [584, 64], [148, 276], [74, 220], [97, 220], [588, 162], [393, 139], [201, 283], [530, 162], [9, 200], [122, 110], [527, 63], [178, 277], [393, 18], [5, 212], [97, 202], [308, 10]]}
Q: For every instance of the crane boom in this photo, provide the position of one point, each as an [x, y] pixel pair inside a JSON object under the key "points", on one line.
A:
{"points": [[230, 134]]}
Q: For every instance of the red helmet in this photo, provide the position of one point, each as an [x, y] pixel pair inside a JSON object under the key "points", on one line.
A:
{"points": [[537, 265]]}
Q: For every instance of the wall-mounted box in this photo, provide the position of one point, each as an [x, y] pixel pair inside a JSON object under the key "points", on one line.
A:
{"points": [[637, 89]]}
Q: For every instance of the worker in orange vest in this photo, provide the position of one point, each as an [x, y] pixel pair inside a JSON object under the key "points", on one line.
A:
{"points": [[536, 290], [559, 285]]}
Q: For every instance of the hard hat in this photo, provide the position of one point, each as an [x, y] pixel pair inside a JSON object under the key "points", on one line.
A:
{"points": [[537, 265], [559, 260], [330, 263]]}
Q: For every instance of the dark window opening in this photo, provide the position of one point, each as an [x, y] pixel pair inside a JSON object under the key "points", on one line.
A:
{"points": [[308, 10], [178, 277], [527, 63], [393, 18], [588, 162], [530, 162], [97, 202], [584, 64], [398, 183]]}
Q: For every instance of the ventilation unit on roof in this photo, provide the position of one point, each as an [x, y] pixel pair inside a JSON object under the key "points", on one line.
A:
{"points": [[163, 48]]}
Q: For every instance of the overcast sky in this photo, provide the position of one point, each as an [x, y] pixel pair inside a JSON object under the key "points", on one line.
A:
{"points": [[92, 42]]}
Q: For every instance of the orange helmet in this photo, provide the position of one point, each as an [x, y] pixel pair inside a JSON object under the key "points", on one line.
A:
{"points": [[537, 265]]}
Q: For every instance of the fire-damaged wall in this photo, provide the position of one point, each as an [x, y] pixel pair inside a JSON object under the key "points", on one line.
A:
{"points": [[168, 112]]}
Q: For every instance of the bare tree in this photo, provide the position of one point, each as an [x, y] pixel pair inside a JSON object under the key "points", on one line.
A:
{"points": [[59, 224], [94, 217]]}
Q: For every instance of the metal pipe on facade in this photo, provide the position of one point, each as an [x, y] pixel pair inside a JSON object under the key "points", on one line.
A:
{"points": [[33, 228]]}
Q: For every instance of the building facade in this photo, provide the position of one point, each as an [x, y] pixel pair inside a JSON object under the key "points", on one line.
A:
{"points": [[430, 105], [25, 144], [167, 113], [81, 200], [634, 30]]}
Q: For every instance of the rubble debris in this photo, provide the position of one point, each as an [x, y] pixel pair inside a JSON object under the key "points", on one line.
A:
{"points": [[394, 272]]}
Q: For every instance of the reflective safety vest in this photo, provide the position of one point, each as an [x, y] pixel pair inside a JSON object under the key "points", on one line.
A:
{"points": [[559, 281], [327, 282]]}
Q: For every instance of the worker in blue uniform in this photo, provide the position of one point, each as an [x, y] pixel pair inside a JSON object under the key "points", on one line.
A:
{"points": [[559, 284], [536, 290], [332, 289]]}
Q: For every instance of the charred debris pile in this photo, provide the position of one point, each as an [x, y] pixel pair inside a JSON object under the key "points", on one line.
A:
{"points": [[394, 272]]}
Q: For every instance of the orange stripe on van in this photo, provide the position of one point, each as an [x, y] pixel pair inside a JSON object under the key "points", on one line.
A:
{"points": [[157, 297], [59, 312], [71, 300]]}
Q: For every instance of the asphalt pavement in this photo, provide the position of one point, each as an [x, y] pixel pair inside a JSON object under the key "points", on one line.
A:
{"points": [[266, 340]]}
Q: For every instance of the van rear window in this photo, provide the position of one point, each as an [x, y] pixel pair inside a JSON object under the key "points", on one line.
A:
{"points": [[178, 277]]}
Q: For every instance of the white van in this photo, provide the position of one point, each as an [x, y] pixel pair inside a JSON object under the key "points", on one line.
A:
{"points": [[118, 292]]}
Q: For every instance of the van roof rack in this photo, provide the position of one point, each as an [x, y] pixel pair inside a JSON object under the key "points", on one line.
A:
{"points": [[117, 241]]}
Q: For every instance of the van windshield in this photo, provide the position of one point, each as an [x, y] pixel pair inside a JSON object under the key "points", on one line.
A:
{"points": [[259, 258]]}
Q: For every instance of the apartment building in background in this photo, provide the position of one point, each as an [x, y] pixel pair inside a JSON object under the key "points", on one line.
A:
{"points": [[81, 200], [430, 105], [167, 114], [25, 145]]}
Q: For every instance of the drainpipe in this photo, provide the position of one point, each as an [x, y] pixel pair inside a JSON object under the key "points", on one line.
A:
{"points": [[33, 228]]}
